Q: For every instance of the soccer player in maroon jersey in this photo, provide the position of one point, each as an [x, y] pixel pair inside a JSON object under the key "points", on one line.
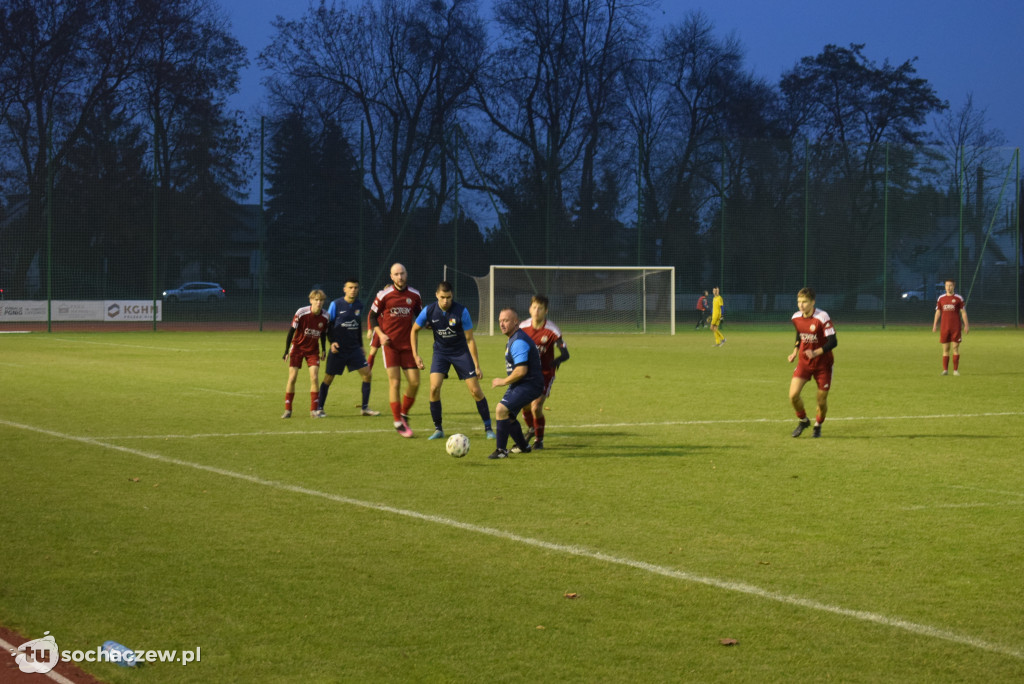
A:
{"points": [[309, 327], [815, 340], [392, 314], [950, 309], [547, 337]]}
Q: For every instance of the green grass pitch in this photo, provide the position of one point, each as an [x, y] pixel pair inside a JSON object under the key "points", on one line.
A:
{"points": [[152, 495]]}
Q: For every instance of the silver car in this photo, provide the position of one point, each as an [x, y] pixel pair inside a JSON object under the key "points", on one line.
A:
{"points": [[195, 292]]}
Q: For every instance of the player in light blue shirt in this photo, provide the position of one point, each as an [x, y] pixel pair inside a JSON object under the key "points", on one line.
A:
{"points": [[453, 346], [524, 380]]}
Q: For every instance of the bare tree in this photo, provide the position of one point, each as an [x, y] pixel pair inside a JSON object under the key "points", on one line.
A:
{"points": [[58, 60], [395, 71]]}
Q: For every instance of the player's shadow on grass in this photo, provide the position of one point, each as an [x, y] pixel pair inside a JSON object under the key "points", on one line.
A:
{"points": [[604, 448], [918, 436]]}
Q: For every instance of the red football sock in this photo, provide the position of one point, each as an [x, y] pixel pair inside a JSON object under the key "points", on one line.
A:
{"points": [[288, 396], [314, 398], [945, 363], [528, 416], [819, 419], [540, 421], [396, 411], [407, 403], [802, 415], [956, 362]]}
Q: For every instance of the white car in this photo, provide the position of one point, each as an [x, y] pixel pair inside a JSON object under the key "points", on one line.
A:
{"points": [[919, 294], [195, 292]]}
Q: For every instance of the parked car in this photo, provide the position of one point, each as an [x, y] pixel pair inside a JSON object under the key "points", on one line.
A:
{"points": [[919, 294], [195, 292]]}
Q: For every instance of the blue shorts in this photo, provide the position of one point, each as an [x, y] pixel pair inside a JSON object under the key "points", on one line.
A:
{"points": [[464, 366], [353, 360], [520, 396]]}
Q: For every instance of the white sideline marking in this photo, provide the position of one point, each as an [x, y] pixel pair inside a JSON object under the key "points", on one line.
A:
{"points": [[572, 550], [590, 426], [52, 674], [234, 394], [961, 505], [990, 491]]}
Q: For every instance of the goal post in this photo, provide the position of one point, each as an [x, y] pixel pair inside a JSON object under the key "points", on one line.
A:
{"points": [[600, 299]]}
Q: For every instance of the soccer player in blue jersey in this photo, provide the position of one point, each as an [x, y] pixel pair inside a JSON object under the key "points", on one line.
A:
{"points": [[524, 380], [453, 346], [345, 333]]}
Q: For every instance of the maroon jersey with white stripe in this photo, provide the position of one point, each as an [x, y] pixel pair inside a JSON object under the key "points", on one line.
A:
{"points": [[396, 312], [546, 337], [308, 329], [950, 306], [813, 331]]}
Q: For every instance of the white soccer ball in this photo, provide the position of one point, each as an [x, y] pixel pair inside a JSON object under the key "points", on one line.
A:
{"points": [[457, 445]]}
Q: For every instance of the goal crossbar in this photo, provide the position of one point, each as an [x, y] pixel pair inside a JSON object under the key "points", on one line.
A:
{"points": [[632, 290]]}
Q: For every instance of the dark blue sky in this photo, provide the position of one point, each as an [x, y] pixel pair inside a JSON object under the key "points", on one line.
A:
{"points": [[961, 46]]}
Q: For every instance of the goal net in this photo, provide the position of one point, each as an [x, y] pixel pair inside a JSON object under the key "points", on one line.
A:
{"points": [[600, 299]]}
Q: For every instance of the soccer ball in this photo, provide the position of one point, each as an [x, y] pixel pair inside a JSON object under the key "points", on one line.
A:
{"points": [[457, 445]]}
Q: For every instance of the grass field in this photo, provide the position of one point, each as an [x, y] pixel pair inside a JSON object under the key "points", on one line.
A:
{"points": [[152, 495]]}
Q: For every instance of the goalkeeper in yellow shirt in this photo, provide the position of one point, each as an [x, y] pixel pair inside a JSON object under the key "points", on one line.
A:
{"points": [[716, 317]]}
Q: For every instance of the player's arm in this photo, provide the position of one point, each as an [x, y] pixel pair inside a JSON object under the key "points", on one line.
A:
{"points": [[796, 348], [375, 326], [288, 342], [563, 353], [471, 343], [830, 343], [963, 314], [414, 343], [935, 322], [517, 374]]}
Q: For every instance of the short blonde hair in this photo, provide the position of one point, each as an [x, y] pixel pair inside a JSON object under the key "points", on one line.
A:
{"points": [[318, 294]]}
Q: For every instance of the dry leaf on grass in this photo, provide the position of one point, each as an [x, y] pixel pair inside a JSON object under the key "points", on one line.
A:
{"points": [[728, 642]]}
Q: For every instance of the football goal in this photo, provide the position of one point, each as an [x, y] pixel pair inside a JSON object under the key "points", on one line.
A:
{"points": [[600, 299]]}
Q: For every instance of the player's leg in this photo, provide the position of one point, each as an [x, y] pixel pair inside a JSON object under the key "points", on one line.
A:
{"points": [[289, 390], [325, 387], [436, 380], [477, 392], [796, 386], [314, 389], [954, 352], [367, 375], [412, 386], [394, 371], [945, 358], [539, 421], [822, 411], [501, 437]]}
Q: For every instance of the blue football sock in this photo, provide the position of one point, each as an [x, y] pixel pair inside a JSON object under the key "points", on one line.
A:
{"points": [[322, 399], [485, 412], [501, 434], [435, 413], [366, 395]]}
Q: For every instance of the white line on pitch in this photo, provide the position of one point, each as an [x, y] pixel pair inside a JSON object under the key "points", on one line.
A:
{"points": [[962, 505], [990, 491], [588, 426], [568, 549], [234, 394], [52, 674]]}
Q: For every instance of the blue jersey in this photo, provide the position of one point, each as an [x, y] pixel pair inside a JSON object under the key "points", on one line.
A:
{"points": [[344, 327], [522, 350], [449, 327]]}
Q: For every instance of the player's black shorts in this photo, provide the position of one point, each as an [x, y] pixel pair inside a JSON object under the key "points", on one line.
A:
{"points": [[353, 360], [463, 363], [521, 395]]}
